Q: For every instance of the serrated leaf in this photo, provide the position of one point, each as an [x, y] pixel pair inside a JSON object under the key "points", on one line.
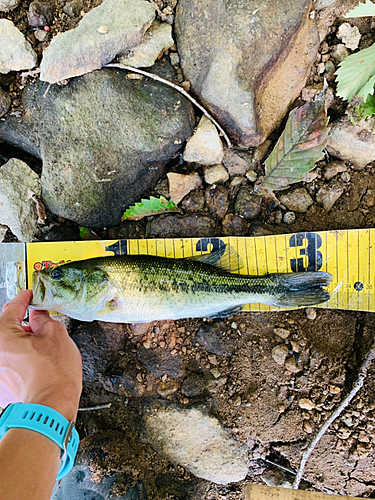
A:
{"points": [[366, 108], [298, 149], [152, 206], [356, 74], [363, 9]]}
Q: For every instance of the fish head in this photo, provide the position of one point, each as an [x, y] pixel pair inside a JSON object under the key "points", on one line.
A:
{"points": [[74, 289]]}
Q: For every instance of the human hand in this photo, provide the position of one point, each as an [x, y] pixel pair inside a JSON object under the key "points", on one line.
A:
{"points": [[40, 363]]}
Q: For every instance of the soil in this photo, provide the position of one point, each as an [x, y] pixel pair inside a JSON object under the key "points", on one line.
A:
{"points": [[258, 399]]}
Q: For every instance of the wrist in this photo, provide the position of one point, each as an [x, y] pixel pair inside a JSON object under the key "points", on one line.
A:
{"points": [[64, 404]]}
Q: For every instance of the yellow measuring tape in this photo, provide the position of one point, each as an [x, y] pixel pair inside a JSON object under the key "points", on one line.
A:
{"points": [[348, 255]]}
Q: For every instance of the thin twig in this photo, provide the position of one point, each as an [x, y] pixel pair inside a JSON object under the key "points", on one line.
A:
{"points": [[357, 386], [30, 73], [176, 87], [98, 407]]}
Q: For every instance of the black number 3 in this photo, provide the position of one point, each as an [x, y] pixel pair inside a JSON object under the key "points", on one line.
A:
{"points": [[314, 257]]}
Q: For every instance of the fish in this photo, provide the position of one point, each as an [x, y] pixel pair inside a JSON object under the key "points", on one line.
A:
{"points": [[144, 288]]}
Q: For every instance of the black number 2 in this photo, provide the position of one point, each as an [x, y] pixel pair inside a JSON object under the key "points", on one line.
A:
{"points": [[314, 257]]}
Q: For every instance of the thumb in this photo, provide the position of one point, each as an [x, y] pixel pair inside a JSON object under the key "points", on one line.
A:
{"points": [[39, 320], [16, 309]]}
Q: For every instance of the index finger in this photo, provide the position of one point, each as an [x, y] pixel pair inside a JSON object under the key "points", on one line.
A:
{"points": [[16, 309]]}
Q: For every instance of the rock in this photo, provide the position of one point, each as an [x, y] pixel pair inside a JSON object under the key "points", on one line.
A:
{"points": [[251, 175], [234, 225], [350, 35], [281, 332], [307, 427], [257, 73], [217, 201], [16, 53], [180, 185], [261, 151], [170, 226], [4, 102], [247, 204], [196, 441], [108, 162], [84, 48], [194, 385], [310, 313], [3, 232], [215, 174], [333, 168], [234, 163], [210, 338], [7, 5], [73, 8], [16, 210], [339, 53], [156, 40], [279, 354], [160, 361], [297, 200], [193, 202], [165, 389], [41, 35], [41, 13], [289, 217], [292, 366], [369, 198], [328, 195], [306, 404], [355, 142], [323, 4], [205, 146]]}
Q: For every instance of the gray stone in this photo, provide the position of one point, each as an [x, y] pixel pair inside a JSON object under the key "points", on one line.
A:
{"points": [[246, 61], [217, 201], [247, 204], [197, 441], [73, 8], [215, 174], [323, 4], [4, 102], [156, 40], [205, 146], [297, 200], [103, 33], [280, 353], [16, 52], [353, 141], [333, 168], [7, 5], [105, 140], [16, 210], [328, 195], [289, 217], [194, 201], [350, 35], [234, 225], [174, 226], [211, 338], [234, 163], [41, 13]]}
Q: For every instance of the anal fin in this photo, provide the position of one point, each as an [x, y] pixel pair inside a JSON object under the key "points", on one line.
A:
{"points": [[226, 313]]}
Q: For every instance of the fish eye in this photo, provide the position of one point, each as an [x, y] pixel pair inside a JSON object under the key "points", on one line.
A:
{"points": [[56, 274]]}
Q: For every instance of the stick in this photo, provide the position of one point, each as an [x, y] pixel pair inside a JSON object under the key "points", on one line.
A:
{"points": [[357, 386], [176, 87], [98, 407]]}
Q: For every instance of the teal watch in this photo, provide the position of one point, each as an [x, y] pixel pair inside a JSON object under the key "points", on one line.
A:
{"points": [[46, 421]]}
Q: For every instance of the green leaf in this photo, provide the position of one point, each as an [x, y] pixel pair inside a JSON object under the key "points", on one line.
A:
{"points": [[152, 206], [86, 233], [366, 108], [356, 74], [300, 146], [363, 9]]}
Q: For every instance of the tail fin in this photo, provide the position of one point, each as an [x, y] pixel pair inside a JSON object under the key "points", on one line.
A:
{"points": [[302, 289]]}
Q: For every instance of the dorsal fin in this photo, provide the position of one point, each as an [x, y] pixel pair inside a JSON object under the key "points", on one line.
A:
{"points": [[226, 258]]}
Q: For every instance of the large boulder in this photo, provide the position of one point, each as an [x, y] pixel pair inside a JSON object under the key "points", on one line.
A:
{"points": [[104, 140], [246, 61]]}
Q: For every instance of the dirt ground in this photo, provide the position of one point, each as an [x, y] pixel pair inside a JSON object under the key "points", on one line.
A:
{"points": [[229, 365]]}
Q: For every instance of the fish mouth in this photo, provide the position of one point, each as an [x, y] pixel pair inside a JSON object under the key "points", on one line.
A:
{"points": [[39, 290]]}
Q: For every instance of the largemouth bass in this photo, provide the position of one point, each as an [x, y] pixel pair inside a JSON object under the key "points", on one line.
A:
{"points": [[142, 288]]}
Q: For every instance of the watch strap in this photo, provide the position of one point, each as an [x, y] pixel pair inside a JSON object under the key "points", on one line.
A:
{"points": [[46, 421]]}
